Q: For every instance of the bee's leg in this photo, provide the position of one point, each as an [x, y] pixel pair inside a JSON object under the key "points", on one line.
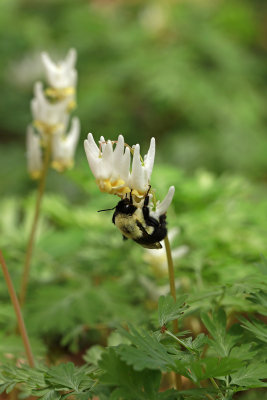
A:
{"points": [[131, 197], [146, 201], [150, 221], [124, 237]]}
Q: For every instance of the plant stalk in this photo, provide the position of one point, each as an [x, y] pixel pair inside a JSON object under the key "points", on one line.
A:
{"points": [[17, 309], [177, 378], [30, 244], [179, 341], [171, 277]]}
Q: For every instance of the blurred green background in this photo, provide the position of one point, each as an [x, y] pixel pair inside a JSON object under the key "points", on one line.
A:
{"points": [[191, 73]]}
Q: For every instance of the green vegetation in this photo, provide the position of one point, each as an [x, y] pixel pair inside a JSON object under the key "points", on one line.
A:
{"points": [[83, 288], [98, 310]]}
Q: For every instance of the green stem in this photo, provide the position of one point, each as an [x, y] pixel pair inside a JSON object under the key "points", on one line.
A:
{"points": [[216, 387], [177, 378], [179, 341], [17, 309], [30, 244], [171, 277]]}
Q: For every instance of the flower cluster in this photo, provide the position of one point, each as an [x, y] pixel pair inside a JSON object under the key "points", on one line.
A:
{"points": [[119, 169], [51, 114]]}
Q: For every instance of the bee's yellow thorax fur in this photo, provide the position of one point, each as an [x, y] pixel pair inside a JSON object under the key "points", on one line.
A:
{"points": [[127, 224]]}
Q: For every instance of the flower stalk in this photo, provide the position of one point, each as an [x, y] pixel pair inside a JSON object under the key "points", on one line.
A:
{"points": [[177, 378], [48, 141], [171, 277], [18, 312], [31, 240]]}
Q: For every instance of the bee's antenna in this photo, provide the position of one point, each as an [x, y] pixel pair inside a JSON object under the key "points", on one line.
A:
{"points": [[107, 209]]}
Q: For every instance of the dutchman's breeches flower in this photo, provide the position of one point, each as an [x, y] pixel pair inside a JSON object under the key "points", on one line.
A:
{"points": [[62, 77], [49, 118], [34, 153], [64, 146], [50, 109], [120, 170]]}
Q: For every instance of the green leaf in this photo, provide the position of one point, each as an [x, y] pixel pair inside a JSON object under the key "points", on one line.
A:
{"points": [[211, 367], [250, 376], [258, 328], [146, 352], [216, 325], [195, 394], [129, 383], [50, 394], [68, 377], [243, 352], [168, 309]]}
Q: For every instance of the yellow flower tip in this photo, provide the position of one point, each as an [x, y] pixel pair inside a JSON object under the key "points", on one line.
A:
{"points": [[61, 166], [59, 94], [138, 194], [35, 175], [71, 106], [46, 128], [116, 187]]}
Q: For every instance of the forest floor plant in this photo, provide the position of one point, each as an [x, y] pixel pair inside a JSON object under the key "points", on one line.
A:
{"points": [[48, 142]]}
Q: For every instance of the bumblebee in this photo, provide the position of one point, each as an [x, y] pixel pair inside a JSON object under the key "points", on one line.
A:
{"points": [[136, 223]]}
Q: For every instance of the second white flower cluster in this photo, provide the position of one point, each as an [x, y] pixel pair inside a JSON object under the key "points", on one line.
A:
{"points": [[51, 107]]}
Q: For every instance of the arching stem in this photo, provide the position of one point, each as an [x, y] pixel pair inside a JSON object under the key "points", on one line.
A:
{"points": [[30, 244], [17, 309], [177, 378], [171, 277]]}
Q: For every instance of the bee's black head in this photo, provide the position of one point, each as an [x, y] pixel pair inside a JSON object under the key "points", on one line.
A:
{"points": [[125, 207]]}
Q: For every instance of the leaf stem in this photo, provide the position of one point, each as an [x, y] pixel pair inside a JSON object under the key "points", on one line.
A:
{"points": [[179, 341], [177, 378], [17, 309], [216, 386], [30, 244]]}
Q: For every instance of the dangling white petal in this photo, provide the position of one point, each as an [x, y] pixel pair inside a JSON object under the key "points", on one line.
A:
{"points": [[124, 166], [61, 75], [93, 160], [34, 153], [72, 138], [48, 63], [64, 147], [138, 175], [107, 159], [92, 145], [71, 58], [149, 157], [118, 158], [164, 205], [54, 115], [102, 143], [119, 149]]}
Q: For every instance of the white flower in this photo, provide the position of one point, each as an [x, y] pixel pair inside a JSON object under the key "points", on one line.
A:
{"points": [[157, 257], [111, 167], [64, 146], [63, 74], [48, 117], [139, 178], [34, 153], [115, 174]]}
